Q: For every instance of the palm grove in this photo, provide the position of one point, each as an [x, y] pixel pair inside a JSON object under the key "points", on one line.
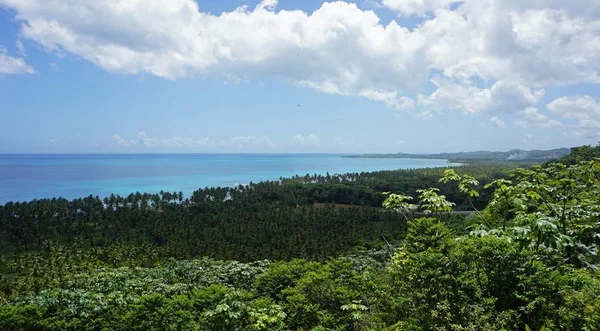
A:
{"points": [[316, 253]]}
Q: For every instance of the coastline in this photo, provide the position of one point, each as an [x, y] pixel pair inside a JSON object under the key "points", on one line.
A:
{"points": [[25, 178]]}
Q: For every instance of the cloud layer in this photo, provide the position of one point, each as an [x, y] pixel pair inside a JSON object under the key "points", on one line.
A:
{"points": [[470, 56], [307, 140], [13, 65], [143, 140], [585, 111]]}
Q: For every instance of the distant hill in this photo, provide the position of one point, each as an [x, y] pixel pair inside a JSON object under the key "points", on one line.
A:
{"points": [[514, 155]]}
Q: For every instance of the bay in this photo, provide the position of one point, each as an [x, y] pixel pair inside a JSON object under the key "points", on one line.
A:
{"points": [[25, 177]]}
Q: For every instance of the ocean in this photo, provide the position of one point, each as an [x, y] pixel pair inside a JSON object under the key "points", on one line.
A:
{"points": [[25, 177]]}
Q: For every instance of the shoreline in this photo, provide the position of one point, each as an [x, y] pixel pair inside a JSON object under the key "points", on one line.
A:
{"points": [[78, 189]]}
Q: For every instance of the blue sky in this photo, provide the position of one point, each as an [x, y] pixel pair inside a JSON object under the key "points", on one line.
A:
{"points": [[297, 76]]}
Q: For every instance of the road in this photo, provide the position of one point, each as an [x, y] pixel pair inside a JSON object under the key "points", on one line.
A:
{"points": [[460, 212]]}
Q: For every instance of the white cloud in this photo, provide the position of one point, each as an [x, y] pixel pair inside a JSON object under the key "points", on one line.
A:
{"points": [[497, 122], [522, 124], [493, 55], [538, 119], [390, 99], [336, 49], [13, 65], [267, 4], [122, 141], [549, 124], [178, 142], [533, 42], [425, 115], [586, 129], [308, 140], [502, 96], [580, 106], [533, 113], [584, 109]]}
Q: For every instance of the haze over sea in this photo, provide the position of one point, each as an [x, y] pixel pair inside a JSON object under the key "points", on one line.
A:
{"points": [[25, 177]]}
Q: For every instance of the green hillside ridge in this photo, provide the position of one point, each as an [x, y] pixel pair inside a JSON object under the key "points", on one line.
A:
{"points": [[515, 155]]}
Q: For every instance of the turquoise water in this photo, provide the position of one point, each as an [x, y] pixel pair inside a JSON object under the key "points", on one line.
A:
{"points": [[26, 177]]}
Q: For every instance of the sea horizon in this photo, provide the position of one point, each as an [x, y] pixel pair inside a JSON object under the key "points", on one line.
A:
{"points": [[29, 176], [185, 153]]}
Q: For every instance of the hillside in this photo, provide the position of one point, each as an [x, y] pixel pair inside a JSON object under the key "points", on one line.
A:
{"points": [[526, 260], [514, 155]]}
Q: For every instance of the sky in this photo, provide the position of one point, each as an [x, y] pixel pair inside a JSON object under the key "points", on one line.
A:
{"points": [[220, 76]]}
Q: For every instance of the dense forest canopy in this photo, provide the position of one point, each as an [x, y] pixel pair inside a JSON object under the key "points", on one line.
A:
{"points": [[316, 253], [308, 216]]}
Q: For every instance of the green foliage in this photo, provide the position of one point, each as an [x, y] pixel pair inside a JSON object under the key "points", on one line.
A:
{"points": [[555, 208], [399, 203], [282, 275], [579, 154], [487, 282], [433, 203], [45, 241], [528, 262]]}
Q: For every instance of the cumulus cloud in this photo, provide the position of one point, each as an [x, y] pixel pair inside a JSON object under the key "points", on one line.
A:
{"points": [[492, 55], [537, 119], [339, 48], [13, 65], [308, 140], [586, 129], [122, 142], [533, 42], [267, 4], [178, 142], [390, 99], [497, 122], [579, 106], [584, 109], [533, 113], [549, 124], [504, 96], [522, 124]]}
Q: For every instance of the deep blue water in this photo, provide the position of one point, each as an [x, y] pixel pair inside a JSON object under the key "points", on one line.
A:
{"points": [[26, 177]]}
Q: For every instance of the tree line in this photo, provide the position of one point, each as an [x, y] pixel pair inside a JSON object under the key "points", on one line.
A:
{"points": [[527, 260], [304, 216]]}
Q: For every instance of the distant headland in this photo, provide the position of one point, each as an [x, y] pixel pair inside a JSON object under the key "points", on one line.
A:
{"points": [[514, 155]]}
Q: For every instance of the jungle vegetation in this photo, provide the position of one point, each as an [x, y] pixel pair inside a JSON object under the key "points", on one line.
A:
{"points": [[333, 252]]}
